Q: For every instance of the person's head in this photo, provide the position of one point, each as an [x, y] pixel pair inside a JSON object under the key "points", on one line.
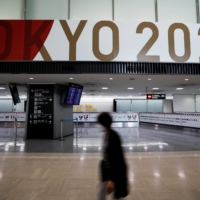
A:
{"points": [[105, 120]]}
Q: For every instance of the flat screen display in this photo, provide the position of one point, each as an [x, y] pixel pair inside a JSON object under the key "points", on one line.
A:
{"points": [[15, 94], [74, 94]]}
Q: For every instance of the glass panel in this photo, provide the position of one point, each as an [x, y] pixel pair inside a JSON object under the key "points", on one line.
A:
{"points": [[90, 9], [139, 105], [12, 9], [47, 9], [155, 106], [177, 11], [6, 105], [123, 105], [135, 10]]}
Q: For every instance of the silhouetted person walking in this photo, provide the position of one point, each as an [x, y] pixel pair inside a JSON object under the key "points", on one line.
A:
{"points": [[113, 166]]}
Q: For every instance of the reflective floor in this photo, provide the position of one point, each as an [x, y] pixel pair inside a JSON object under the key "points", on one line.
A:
{"points": [[163, 164], [143, 138], [62, 176]]}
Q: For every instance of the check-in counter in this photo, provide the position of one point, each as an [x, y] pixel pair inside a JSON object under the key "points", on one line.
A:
{"points": [[174, 119]]}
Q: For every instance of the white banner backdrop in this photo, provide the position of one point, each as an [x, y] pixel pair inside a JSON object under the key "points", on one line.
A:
{"points": [[122, 41], [177, 119], [116, 117]]}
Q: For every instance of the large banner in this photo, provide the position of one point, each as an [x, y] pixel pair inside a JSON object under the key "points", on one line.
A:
{"points": [[177, 119], [99, 41]]}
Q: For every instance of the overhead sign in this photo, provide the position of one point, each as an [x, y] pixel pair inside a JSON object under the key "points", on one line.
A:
{"points": [[156, 96], [49, 40]]}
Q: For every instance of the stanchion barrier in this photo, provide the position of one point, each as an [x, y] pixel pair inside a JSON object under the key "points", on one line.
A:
{"points": [[65, 121], [15, 130]]}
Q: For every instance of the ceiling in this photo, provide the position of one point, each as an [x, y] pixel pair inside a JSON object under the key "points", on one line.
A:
{"points": [[167, 84]]}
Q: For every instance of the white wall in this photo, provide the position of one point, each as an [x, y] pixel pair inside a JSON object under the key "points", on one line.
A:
{"points": [[134, 10], [167, 106], [12, 9], [91, 9], [177, 11], [101, 104], [197, 103], [184, 103], [47, 9]]}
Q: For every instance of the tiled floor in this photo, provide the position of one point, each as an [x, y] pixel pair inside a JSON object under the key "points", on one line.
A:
{"points": [[163, 163], [155, 176]]}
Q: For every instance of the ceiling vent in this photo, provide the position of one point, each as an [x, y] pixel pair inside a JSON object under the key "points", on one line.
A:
{"points": [[186, 85], [91, 84], [92, 91]]}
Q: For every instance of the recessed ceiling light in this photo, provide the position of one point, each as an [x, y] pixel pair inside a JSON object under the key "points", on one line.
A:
{"points": [[104, 88], [83, 92], [31, 78], [2, 88], [71, 78], [179, 88], [186, 79], [149, 79], [155, 88], [130, 88], [139, 93], [111, 78]]}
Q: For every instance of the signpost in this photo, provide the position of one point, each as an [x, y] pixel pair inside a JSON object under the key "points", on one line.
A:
{"points": [[40, 112]]}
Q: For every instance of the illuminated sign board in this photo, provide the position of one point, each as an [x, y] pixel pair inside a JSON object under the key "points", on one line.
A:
{"points": [[156, 96]]}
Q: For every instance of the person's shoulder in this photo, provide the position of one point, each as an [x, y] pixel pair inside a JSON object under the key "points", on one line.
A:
{"points": [[114, 134]]}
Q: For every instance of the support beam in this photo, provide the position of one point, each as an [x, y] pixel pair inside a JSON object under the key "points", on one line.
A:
{"points": [[113, 10], [198, 11], [156, 10]]}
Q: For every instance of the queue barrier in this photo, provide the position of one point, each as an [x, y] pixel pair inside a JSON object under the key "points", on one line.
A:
{"points": [[66, 121], [15, 130]]}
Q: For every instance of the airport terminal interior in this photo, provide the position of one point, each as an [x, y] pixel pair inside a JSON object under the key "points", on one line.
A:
{"points": [[57, 75]]}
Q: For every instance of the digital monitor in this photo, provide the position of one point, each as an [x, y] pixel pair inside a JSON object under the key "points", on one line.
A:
{"points": [[73, 94], [14, 94], [77, 97]]}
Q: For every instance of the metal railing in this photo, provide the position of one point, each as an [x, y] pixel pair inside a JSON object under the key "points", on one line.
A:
{"points": [[65, 121]]}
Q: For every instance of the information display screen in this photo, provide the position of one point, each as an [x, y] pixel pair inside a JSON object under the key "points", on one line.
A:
{"points": [[74, 94], [70, 96], [77, 96]]}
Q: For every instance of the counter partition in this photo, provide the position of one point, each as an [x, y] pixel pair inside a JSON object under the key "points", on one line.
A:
{"points": [[175, 119], [116, 117]]}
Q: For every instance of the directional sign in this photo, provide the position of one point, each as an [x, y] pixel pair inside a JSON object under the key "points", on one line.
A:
{"points": [[156, 96]]}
